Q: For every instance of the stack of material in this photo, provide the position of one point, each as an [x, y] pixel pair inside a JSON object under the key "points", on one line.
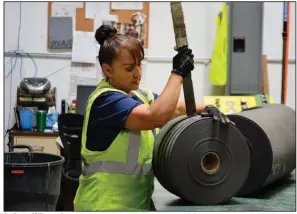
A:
{"points": [[206, 162]]}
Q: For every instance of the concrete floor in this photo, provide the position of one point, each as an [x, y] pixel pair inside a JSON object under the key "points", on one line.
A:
{"points": [[280, 196]]}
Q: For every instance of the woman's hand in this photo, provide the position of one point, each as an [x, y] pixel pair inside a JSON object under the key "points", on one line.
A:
{"points": [[212, 111], [183, 62]]}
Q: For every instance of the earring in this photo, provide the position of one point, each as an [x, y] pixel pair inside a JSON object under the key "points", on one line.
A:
{"points": [[109, 80]]}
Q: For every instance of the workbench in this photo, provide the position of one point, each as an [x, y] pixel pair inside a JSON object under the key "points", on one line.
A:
{"points": [[280, 196]]}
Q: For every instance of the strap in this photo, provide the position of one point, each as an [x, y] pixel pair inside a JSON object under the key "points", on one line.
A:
{"points": [[131, 167]]}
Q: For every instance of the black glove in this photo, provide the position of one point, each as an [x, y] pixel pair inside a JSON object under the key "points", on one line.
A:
{"points": [[183, 62], [212, 111]]}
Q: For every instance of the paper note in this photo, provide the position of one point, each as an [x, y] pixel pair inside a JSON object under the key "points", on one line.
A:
{"points": [[61, 29], [137, 32], [63, 9], [95, 8], [127, 5], [106, 19], [84, 47], [138, 18], [85, 71]]}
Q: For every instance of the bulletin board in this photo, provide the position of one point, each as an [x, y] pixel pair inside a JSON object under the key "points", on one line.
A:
{"points": [[87, 25]]}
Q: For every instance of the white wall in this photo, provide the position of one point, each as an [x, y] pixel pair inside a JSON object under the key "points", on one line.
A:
{"points": [[200, 23]]}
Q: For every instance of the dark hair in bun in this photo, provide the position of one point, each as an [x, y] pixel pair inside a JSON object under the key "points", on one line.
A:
{"points": [[104, 32], [111, 42]]}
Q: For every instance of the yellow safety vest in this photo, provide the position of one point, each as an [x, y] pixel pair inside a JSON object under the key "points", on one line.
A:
{"points": [[120, 178], [219, 62]]}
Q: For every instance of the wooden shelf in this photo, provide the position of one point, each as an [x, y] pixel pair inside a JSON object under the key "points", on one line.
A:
{"points": [[34, 134]]}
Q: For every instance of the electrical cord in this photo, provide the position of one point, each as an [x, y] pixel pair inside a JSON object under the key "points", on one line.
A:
{"points": [[15, 56], [67, 66]]}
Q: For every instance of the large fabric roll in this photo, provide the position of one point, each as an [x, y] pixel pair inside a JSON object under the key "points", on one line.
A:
{"points": [[270, 131], [200, 160]]}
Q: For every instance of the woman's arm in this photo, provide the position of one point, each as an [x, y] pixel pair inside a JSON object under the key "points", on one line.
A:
{"points": [[181, 109], [147, 117]]}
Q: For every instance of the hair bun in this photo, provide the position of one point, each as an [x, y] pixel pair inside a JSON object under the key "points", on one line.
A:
{"points": [[104, 32]]}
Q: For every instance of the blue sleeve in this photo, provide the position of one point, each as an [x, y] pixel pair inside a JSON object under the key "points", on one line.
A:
{"points": [[155, 96], [107, 119], [113, 108]]}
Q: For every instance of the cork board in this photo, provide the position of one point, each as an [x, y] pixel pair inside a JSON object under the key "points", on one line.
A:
{"points": [[124, 16], [81, 23]]}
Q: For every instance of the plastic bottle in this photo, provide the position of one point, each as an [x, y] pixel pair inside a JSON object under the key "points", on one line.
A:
{"points": [[73, 107]]}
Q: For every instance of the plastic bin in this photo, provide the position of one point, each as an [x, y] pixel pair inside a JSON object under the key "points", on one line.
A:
{"points": [[32, 180]]}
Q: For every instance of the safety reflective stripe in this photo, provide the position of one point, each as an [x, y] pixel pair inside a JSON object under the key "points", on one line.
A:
{"points": [[131, 167], [144, 93], [150, 100]]}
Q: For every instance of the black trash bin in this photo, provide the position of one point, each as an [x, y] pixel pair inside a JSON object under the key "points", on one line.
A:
{"points": [[31, 180]]}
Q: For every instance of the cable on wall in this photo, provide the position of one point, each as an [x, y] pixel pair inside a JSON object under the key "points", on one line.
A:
{"points": [[16, 54]]}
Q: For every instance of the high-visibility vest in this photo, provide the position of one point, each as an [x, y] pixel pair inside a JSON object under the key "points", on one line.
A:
{"points": [[120, 178], [219, 63]]}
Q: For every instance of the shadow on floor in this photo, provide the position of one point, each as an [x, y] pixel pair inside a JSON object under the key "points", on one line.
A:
{"points": [[181, 202], [273, 189]]}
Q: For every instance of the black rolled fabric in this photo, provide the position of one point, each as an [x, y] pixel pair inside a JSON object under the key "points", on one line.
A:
{"points": [[201, 161], [270, 131]]}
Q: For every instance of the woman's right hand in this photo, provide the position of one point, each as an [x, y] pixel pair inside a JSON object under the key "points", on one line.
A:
{"points": [[183, 62]]}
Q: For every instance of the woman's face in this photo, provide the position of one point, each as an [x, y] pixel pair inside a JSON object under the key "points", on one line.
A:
{"points": [[125, 72]]}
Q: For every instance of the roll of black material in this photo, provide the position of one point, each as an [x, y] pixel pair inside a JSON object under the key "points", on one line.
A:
{"points": [[201, 161], [270, 131]]}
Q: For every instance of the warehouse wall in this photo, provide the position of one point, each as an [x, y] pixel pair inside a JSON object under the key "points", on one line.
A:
{"points": [[200, 19]]}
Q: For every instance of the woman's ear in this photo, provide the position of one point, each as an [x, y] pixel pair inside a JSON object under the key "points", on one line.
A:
{"points": [[107, 70]]}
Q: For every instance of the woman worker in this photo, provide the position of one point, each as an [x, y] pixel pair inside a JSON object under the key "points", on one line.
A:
{"points": [[120, 125]]}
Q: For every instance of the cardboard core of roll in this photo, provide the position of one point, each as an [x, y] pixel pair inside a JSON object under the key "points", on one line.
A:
{"points": [[210, 162]]}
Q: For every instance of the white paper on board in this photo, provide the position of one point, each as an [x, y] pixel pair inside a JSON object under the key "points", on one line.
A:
{"points": [[99, 20], [84, 47], [127, 5], [65, 9], [93, 8]]}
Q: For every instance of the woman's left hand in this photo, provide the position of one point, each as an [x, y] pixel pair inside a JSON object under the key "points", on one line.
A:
{"points": [[212, 111]]}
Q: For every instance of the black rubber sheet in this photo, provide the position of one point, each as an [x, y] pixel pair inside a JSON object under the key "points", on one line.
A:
{"points": [[270, 131]]}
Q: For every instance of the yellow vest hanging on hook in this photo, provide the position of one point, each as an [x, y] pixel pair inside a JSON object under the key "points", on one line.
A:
{"points": [[219, 61]]}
